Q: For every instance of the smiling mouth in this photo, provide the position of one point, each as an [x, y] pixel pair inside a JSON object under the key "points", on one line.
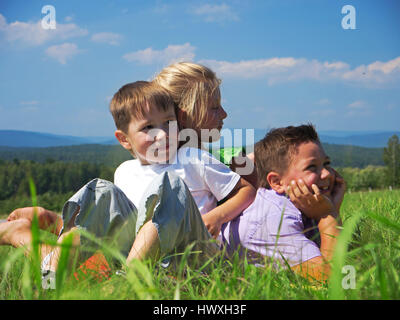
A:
{"points": [[325, 189]]}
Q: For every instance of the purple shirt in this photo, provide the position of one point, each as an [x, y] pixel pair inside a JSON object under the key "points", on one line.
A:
{"points": [[272, 227]]}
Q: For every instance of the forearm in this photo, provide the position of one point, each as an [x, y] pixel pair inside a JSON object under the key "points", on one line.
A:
{"points": [[319, 268], [233, 206], [314, 269], [329, 232]]}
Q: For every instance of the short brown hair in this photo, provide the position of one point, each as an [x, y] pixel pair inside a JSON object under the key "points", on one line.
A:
{"points": [[131, 100], [275, 151]]}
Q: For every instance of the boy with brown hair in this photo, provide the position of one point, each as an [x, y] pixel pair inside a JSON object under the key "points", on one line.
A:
{"points": [[274, 226]]}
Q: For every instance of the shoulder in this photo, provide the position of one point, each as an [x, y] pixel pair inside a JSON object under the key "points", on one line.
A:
{"points": [[268, 202], [188, 155], [127, 166]]}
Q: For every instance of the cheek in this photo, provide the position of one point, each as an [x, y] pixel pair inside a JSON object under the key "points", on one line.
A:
{"points": [[143, 142], [211, 121], [310, 179]]}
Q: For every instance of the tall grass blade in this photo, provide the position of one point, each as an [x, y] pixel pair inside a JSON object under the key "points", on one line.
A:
{"points": [[35, 231], [385, 222], [62, 267], [336, 291]]}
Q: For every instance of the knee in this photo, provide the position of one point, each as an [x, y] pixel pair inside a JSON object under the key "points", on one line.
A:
{"points": [[73, 234]]}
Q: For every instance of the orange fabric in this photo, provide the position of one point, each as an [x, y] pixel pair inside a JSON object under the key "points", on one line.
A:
{"points": [[96, 266]]}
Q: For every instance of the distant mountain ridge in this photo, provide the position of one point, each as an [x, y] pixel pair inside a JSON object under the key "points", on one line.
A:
{"points": [[113, 155], [367, 139], [19, 138]]}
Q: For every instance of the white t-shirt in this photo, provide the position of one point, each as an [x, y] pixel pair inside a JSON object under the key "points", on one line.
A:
{"points": [[208, 179]]}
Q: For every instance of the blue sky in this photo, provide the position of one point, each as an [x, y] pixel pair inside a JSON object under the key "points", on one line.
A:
{"points": [[282, 62]]}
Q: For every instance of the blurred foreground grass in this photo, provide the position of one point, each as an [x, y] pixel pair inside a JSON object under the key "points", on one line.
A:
{"points": [[369, 246]]}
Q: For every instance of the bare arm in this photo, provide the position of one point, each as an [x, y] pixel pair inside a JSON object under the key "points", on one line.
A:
{"points": [[319, 268], [240, 198], [244, 166]]}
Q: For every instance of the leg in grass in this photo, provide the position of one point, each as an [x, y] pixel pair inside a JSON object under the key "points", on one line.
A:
{"points": [[17, 233], [48, 220], [146, 245], [54, 255]]}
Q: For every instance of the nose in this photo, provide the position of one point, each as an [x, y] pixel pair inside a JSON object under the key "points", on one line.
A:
{"points": [[162, 134], [222, 113], [326, 174]]}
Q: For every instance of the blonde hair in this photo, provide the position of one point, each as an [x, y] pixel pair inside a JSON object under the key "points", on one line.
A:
{"points": [[132, 100], [192, 87]]}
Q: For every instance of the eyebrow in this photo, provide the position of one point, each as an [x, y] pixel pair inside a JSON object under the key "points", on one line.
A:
{"points": [[327, 158]]}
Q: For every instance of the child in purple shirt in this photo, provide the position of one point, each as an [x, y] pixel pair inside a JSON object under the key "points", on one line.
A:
{"points": [[299, 232]]}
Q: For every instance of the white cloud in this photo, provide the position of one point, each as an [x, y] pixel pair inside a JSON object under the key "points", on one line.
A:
{"points": [[277, 69], [377, 71], [323, 102], [215, 13], [63, 52], [32, 33], [30, 109], [29, 103], [253, 68], [172, 53], [107, 37], [323, 112], [359, 104], [358, 108]]}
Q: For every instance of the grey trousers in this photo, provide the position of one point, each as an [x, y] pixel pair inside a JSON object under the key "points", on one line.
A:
{"points": [[106, 213]]}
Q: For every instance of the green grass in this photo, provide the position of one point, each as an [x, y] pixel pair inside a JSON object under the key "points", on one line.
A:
{"points": [[369, 244]]}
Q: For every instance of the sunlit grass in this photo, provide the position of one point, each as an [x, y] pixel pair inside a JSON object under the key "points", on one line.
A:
{"points": [[369, 243]]}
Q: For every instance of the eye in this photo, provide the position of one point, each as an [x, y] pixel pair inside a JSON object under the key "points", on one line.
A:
{"points": [[148, 127], [311, 167], [327, 164]]}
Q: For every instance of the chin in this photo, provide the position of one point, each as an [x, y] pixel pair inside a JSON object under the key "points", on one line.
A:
{"points": [[209, 138]]}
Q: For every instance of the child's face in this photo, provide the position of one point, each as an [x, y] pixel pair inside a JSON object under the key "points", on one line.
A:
{"points": [[153, 138], [214, 117], [312, 165]]}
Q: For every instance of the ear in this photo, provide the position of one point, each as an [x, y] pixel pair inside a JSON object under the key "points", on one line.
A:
{"points": [[182, 118], [123, 139], [274, 180]]}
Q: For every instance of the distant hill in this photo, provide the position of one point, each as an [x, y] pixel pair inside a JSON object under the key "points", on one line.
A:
{"points": [[368, 139], [111, 155], [16, 138], [372, 140], [351, 149]]}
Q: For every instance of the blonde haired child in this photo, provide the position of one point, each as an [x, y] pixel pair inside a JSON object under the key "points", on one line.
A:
{"points": [[195, 90]]}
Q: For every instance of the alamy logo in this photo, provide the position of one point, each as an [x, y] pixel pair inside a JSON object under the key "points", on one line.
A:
{"points": [[49, 20], [349, 20], [349, 280]]}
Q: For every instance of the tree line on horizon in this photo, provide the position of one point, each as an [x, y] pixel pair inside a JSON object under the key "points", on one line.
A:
{"points": [[57, 180]]}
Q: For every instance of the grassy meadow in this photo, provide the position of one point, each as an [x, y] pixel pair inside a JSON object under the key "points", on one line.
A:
{"points": [[365, 266]]}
